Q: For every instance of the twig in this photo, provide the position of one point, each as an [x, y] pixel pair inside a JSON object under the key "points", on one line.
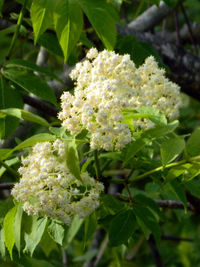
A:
{"points": [[101, 251], [6, 186], [64, 258], [173, 204], [189, 27], [15, 36], [178, 38], [97, 165], [155, 252], [176, 238], [40, 105]]}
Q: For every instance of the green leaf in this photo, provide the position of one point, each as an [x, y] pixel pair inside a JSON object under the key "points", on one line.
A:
{"points": [[24, 115], [9, 162], [41, 15], [1, 6], [47, 244], [171, 148], [149, 203], [8, 227], [72, 231], [33, 238], [17, 227], [73, 159], [146, 112], [31, 83], [179, 191], [90, 226], [50, 42], [68, 21], [56, 232], [2, 245], [147, 222], [193, 143], [194, 187], [27, 65], [103, 18], [9, 98], [112, 204], [122, 227]]}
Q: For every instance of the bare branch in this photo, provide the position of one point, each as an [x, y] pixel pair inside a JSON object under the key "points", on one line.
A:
{"points": [[172, 204]]}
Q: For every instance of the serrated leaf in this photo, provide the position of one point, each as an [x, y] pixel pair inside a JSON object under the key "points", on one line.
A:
{"points": [[73, 159], [122, 227], [8, 227], [31, 83], [102, 16], [90, 225], [147, 221], [17, 227], [179, 192], [41, 15], [72, 231], [171, 148], [193, 143], [68, 21], [56, 232], [33, 238], [24, 115], [24, 64], [47, 244]]}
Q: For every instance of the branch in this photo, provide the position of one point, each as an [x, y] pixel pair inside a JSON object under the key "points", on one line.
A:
{"points": [[7, 186], [172, 204], [176, 238], [40, 105], [151, 17], [155, 252]]}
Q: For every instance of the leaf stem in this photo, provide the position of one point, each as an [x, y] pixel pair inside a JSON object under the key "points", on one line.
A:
{"points": [[97, 165], [170, 165], [10, 170], [16, 33]]}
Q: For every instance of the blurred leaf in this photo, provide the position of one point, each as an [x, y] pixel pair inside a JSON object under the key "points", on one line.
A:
{"points": [[73, 159], [24, 115], [56, 232], [2, 245], [50, 42], [1, 7], [47, 244], [41, 15], [90, 225], [72, 231], [9, 162], [194, 187], [103, 18], [17, 227], [171, 148], [8, 227], [24, 64], [68, 21], [33, 238], [171, 3], [31, 83], [112, 204], [122, 227], [193, 143], [147, 222], [178, 190], [9, 99]]}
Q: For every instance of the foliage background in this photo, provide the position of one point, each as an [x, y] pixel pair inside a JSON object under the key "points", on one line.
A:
{"points": [[41, 40]]}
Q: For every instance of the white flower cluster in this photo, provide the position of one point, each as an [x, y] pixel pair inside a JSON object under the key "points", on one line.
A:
{"points": [[48, 188], [105, 84]]}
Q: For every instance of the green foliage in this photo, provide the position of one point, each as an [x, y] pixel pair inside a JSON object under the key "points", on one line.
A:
{"points": [[160, 165]]}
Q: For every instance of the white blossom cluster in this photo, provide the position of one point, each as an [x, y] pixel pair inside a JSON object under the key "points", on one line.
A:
{"points": [[107, 82], [48, 188]]}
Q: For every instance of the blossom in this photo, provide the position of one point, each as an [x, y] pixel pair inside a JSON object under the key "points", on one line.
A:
{"points": [[105, 84], [48, 188]]}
